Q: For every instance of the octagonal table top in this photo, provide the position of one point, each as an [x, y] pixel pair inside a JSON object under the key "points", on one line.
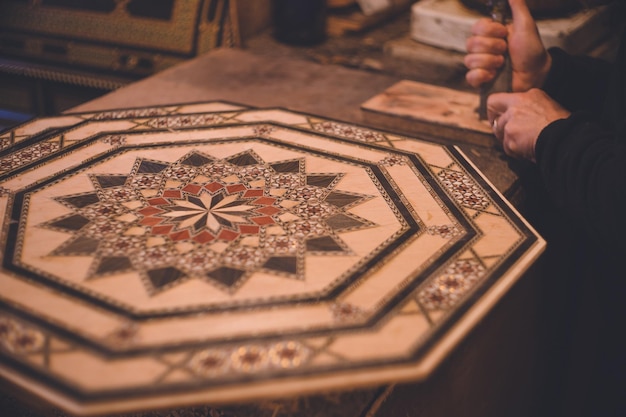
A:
{"points": [[211, 252]]}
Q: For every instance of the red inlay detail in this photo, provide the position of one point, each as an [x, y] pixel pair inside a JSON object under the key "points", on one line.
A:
{"points": [[253, 193], [192, 188], [266, 201], [268, 210], [182, 235], [214, 186], [262, 220], [227, 235], [235, 188], [159, 201], [203, 237], [150, 221], [162, 230], [172, 194], [149, 211], [249, 230]]}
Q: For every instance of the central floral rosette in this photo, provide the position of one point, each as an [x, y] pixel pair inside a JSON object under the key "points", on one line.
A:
{"points": [[209, 211]]}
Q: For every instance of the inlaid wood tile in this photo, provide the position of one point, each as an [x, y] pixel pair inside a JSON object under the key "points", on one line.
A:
{"points": [[270, 252]]}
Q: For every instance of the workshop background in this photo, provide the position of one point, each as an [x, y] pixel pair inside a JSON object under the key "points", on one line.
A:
{"points": [[58, 54]]}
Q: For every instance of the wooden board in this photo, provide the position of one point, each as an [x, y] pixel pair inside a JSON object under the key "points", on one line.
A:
{"points": [[340, 3], [212, 253], [411, 106], [352, 19], [447, 24]]}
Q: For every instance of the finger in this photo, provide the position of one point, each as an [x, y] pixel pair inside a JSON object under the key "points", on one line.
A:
{"points": [[487, 62], [508, 146], [499, 103], [479, 76], [522, 18], [483, 44], [493, 121], [489, 28], [497, 122]]}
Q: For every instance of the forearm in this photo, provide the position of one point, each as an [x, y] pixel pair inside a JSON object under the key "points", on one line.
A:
{"points": [[584, 170], [578, 83]]}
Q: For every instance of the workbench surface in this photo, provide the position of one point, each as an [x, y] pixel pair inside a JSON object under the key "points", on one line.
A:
{"points": [[495, 367]]}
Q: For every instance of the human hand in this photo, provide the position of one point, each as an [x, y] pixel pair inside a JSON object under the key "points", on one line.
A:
{"points": [[518, 119], [491, 40]]}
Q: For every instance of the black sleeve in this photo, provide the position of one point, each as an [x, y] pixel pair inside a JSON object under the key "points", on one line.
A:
{"points": [[578, 83], [584, 169]]}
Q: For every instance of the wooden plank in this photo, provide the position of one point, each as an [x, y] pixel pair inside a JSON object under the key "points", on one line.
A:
{"points": [[352, 19], [447, 24], [333, 4], [411, 106]]}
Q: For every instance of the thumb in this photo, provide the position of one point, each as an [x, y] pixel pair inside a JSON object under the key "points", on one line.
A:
{"points": [[522, 18]]}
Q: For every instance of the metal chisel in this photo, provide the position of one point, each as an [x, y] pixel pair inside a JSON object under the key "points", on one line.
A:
{"points": [[503, 82]]}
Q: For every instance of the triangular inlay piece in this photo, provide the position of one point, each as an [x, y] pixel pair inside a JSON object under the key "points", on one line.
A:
{"points": [[108, 181], [162, 277], [244, 159], [109, 264], [289, 166], [320, 180], [82, 200], [79, 246], [196, 160], [323, 244], [226, 276], [73, 223], [288, 264], [339, 199], [151, 167], [342, 222]]}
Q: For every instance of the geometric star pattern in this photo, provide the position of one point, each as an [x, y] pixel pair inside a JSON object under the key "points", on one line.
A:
{"points": [[138, 220]]}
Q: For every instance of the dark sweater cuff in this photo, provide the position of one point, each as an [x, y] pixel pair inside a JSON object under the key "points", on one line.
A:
{"points": [[551, 134]]}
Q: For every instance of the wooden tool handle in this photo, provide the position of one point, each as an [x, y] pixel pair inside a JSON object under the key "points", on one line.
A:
{"points": [[503, 82]]}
